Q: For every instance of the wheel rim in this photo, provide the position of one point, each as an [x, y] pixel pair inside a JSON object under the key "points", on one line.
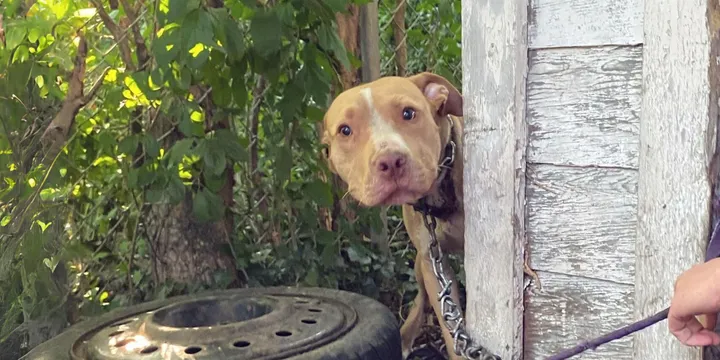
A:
{"points": [[270, 326]]}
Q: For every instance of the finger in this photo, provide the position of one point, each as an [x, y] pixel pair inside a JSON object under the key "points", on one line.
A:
{"points": [[703, 337], [686, 330]]}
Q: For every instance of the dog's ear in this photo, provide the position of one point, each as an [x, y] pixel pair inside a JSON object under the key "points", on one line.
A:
{"points": [[440, 93]]}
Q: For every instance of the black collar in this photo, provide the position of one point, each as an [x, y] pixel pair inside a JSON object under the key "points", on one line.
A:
{"points": [[445, 202]]}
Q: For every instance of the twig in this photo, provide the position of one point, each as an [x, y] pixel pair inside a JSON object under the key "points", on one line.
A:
{"points": [[614, 335], [142, 50], [2, 32], [118, 34]]}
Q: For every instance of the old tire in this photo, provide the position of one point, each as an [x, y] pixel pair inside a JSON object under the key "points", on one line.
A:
{"points": [[257, 323]]}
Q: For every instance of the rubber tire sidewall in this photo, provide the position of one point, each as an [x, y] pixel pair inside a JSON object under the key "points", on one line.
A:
{"points": [[375, 336]]}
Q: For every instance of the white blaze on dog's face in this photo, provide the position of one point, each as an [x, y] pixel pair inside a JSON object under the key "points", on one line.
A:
{"points": [[383, 137]]}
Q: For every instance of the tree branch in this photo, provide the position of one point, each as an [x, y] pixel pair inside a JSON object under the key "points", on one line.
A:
{"points": [[56, 133], [142, 51], [118, 33], [400, 37], [2, 32]]}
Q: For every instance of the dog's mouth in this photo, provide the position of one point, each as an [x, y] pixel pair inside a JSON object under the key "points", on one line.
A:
{"points": [[392, 194], [400, 197]]}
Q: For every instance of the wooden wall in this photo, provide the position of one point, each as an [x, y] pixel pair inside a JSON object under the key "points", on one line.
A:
{"points": [[584, 96], [588, 136]]}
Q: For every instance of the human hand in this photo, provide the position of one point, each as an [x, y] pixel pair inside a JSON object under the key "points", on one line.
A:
{"points": [[697, 293]]}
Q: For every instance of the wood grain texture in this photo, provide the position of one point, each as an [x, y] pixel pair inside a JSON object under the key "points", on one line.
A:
{"points": [[495, 58], [569, 309], [581, 221], [675, 147], [566, 23], [584, 106]]}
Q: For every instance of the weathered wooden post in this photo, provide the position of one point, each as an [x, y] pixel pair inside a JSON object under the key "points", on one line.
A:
{"points": [[677, 140], [494, 71]]}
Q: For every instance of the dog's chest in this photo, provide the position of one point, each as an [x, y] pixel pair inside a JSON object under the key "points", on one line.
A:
{"points": [[451, 233]]}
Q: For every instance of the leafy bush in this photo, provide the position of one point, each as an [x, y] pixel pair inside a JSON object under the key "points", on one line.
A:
{"points": [[219, 93]]}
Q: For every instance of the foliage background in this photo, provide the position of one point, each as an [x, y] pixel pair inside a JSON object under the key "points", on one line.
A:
{"points": [[76, 236]]}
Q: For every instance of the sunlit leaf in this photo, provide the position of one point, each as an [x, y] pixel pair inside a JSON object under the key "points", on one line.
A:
{"points": [[43, 226]]}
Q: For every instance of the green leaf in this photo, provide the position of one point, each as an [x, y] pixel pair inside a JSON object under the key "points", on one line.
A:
{"points": [[329, 255], [165, 48], [320, 192], [239, 88], [266, 32], [230, 145], [175, 190], [229, 34], [43, 226], [283, 164], [107, 142], [128, 145], [214, 182], [14, 35], [188, 127], [314, 114], [178, 9], [222, 94], [291, 101], [146, 176], [359, 254], [141, 80], [185, 79], [337, 5], [152, 147], [133, 176], [153, 196], [213, 156], [207, 206], [60, 8], [179, 150]]}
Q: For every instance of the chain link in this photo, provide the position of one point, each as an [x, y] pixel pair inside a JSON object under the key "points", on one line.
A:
{"points": [[452, 315]]}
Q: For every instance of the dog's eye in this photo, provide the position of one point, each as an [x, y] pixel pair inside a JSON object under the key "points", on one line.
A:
{"points": [[408, 113], [345, 130]]}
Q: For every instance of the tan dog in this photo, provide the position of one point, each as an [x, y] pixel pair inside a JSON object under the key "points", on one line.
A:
{"points": [[386, 139]]}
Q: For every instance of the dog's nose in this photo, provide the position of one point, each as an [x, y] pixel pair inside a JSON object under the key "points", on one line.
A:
{"points": [[391, 164]]}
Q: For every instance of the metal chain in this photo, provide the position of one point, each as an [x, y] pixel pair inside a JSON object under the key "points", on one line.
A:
{"points": [[452, 314]]}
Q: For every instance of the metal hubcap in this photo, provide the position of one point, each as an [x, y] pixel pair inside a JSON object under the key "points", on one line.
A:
{"points": [[221, 327]]}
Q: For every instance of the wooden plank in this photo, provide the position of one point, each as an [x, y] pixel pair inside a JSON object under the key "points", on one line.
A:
{"points": [[566, 23], [584, 106], [494, 55], [677, 139], [370, 41], [571, 309], [581, 221]]}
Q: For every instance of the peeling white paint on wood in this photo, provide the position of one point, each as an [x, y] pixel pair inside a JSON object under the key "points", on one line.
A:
{"points": [[581, 222], [566, 23], [584, 106], [673, 187], [569, 309], [495, 52]]}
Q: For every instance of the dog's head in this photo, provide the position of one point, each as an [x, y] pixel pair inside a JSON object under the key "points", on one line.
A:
{"points": [[383, 138]]}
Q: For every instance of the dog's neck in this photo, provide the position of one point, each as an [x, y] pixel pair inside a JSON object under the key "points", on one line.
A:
{"points": [[442, 201]]}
